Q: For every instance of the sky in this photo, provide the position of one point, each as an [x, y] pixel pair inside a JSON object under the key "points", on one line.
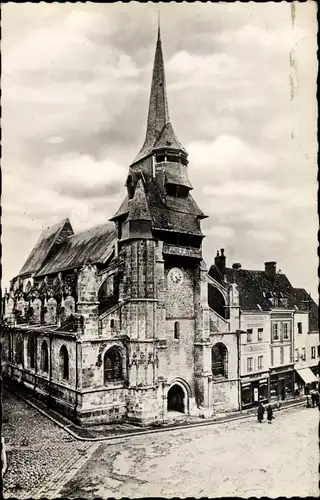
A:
{"points": [[241, 81]]}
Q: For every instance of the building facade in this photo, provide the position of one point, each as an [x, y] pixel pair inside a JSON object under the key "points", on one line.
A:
{"points": [[113, 324], [273, 355]]}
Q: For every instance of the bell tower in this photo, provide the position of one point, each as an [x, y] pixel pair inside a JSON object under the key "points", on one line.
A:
{"points": [[160, 243]]}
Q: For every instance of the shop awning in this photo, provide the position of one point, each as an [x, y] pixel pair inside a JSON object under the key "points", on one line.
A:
{"points": [[307, 375]]}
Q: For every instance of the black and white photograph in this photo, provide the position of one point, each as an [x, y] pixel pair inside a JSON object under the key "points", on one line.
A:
{"points": [[159, 307]]}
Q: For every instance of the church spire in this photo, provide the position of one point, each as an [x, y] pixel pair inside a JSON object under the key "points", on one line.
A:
{"points": [[159, 130]]}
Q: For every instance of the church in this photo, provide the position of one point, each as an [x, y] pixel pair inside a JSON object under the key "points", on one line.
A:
{"points": [[113, 324]]}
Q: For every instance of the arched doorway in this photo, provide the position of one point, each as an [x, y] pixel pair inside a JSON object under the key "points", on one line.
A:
{"points": [[176, 399]]}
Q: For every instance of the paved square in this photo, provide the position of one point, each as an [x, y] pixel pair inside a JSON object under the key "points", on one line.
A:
{"points": [[241, 458]]}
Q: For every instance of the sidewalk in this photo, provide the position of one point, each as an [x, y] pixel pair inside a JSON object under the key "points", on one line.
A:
{"points": [[125, 430]]}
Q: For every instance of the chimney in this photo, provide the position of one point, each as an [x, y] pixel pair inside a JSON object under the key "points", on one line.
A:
{"points": [[270, 269], [220, 261], [237, 265]]}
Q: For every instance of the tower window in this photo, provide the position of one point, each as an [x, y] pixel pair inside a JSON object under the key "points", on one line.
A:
{"points": [[177, 191], [177, 330], [160, 158]]}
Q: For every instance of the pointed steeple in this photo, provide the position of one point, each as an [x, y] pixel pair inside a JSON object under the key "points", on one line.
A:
{"points": [[159, 132]]}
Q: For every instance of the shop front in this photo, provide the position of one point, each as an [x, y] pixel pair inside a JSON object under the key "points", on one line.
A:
{"points": [[253, 392], [282, 384], [305, 381]]}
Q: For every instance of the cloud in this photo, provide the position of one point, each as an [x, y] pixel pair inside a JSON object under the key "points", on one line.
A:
{"points": [[221, 232], [228, 153], [265, 235], [76, 83]]}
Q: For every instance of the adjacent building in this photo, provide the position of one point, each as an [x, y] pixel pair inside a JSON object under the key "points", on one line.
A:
{"points": [[271, 313]]}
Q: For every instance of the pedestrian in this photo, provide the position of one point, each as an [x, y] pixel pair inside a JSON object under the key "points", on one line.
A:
{"points": [[269, 414], [308, 401], [260, 412], [313, 399]]}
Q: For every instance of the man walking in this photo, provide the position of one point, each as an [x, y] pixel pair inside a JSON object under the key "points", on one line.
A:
{"points": [[260, 412], [269, 414]]}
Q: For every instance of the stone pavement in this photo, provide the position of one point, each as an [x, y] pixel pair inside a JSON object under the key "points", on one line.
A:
{"points": [[39, 453], [239, 458], [109, 431]]}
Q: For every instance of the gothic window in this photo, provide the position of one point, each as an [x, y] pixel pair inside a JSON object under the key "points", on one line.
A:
{"points": [[44, 357], [19, 350], [64, 363], [220, 360], [31, 351], [177, 330], [112, 365]]}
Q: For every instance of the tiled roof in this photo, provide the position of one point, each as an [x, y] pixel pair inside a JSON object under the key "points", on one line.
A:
{"points": [[256, 289], [47, 240], [303, 298], [95, 244]]}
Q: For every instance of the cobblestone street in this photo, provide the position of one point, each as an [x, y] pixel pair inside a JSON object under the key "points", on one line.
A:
{"points": [[241, 458], [39, 453]]}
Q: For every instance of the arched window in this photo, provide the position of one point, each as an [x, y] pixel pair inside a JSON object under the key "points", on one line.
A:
{"points": [[44, 357], [219, 360], [19, 350], [112, 365], [176, 330], [64, 363], [31, 351]]}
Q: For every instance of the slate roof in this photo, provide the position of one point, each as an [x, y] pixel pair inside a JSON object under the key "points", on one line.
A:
{"points": [[95, 244], [159, 131], [174, 214], [176, 173], [47, 240], [256, 289]]}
